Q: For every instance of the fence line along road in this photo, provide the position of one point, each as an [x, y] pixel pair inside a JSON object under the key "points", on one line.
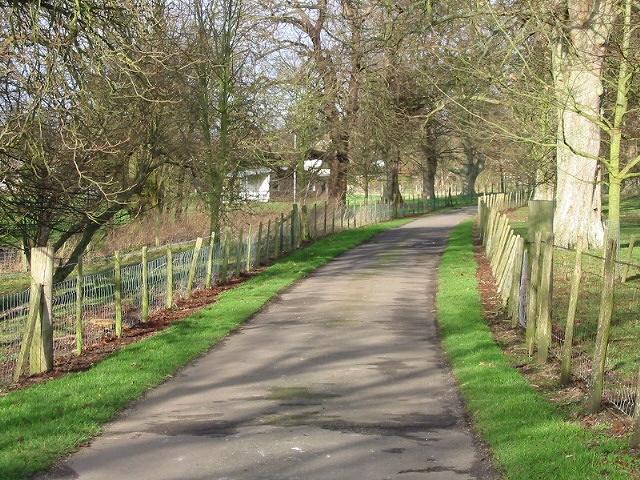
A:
{"points": [[86, 308], [563, 301]]}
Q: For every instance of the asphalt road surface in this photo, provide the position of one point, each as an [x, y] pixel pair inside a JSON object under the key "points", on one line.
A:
{"points": [[340, 377]]}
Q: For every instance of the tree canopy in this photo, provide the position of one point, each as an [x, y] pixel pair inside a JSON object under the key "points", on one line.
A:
{"points": [[111, 108]]}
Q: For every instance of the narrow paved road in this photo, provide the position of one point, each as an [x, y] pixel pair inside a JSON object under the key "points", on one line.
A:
{"points": [[340, 377]]}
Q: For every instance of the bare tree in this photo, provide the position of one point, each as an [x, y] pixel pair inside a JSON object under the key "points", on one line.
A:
{"points": [[222, 43], [329, 38], [83, 122]]}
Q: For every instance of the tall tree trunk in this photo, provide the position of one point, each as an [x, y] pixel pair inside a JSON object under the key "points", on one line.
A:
{"points": [[618, 170], [430, 167], [578, 55], [429, 178], [215, 184], [470, 179], [337, 188], [392, 188], [474, 165], [338, 80]]}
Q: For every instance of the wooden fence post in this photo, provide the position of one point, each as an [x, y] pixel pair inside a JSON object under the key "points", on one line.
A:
{"points": [[505, 268], [259, 246], [543, 328], [514, 297], [276, 237], [117, 292], [540, 222], [145, 285], [501, 252], [635, 437], [326, 207], [488, 220], [210, 260], [492, 237], [491, 232], [267, 246], [224, 270], [169, 277], [304, 223], [487, 226], [333, 220], [482, 216], [249, 250], [532, 293], [280, 244], [604, 323], [79, 303], [294, 231], [194, 265], [567, 346], [238, 252]]}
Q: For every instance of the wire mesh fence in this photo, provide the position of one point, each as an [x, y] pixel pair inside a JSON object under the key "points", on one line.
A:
{"points": [[623, 356], [15, 308], [620, 376], [84, 317], [11, 261]]}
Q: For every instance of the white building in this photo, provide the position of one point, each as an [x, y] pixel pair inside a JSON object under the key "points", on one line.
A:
{"points": [[255, 185]]}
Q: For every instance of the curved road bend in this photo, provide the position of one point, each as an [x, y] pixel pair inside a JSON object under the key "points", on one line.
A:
{"points": [[340, 377]]}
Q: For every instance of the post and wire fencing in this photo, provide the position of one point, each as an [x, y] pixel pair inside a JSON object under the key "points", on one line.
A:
{"points": [[580, 307], [103, 298]]}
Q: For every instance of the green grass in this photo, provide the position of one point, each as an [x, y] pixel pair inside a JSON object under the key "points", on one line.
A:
{"points": [[529, 436], [16, 282], [43, 423], [519, 221]]}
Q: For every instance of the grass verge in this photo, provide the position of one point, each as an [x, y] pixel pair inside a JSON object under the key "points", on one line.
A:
{"points": [[530, 437], [41, 424]]}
